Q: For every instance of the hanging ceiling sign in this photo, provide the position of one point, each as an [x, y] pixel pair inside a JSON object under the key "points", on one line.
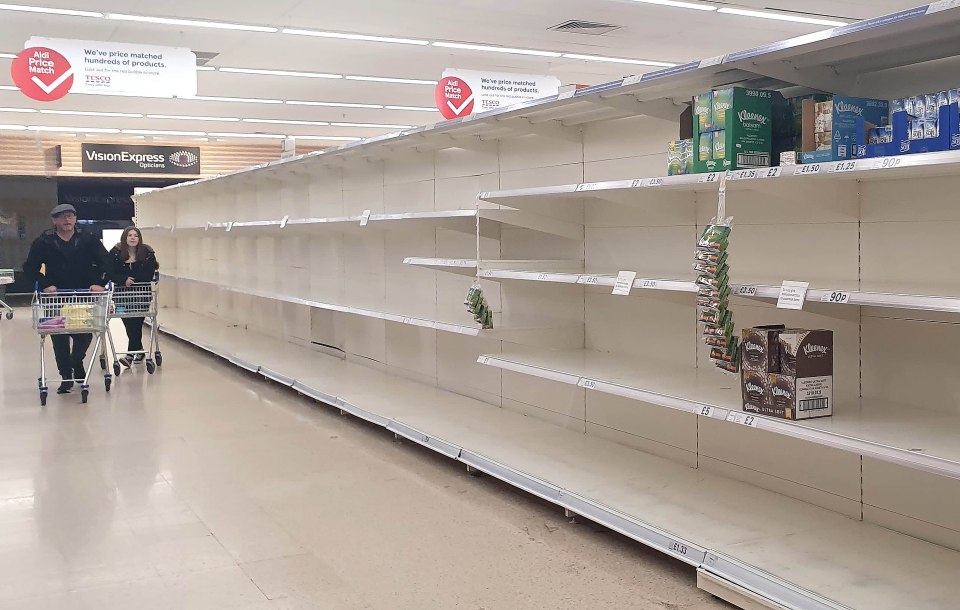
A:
{"points": [[460, 93], [50, 68]]}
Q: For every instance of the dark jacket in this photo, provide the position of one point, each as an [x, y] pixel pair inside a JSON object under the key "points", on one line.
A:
{"points": [[140, 271], [70, 265]]}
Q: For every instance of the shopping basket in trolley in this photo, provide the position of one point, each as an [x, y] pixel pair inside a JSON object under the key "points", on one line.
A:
{"points": [[6, 277], [70, 312], [135, 301]]}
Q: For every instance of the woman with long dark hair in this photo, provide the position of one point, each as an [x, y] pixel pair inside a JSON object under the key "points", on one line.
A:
{"points": [[134, 262]]}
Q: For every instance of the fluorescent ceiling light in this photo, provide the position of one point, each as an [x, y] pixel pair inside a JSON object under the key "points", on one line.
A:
{"points": [[384, 79], [246, 100], [371, 125], [50, 11], [781, 17], [416, 108], [280, 73], [125, 115], [284, 122], [206, 69], [344, 36], [331, 138], [218, 25], [480, 47], [8, 88], [247, 135], [72, 129], [149, 132], [620, 60], [673, 3], [192, 118], [8, 55], [332, 104], [18, 110], [13, 127]]}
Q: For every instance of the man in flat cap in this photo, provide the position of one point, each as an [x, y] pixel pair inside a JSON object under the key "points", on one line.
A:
{"points": [[73, 259]]}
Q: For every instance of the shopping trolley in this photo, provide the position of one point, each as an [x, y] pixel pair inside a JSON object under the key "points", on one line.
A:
{"points": [[136, 301], [6, 277], [70, 312]]}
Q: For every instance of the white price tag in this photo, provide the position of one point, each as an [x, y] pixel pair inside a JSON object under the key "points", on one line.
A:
{"points": [[653, 182], [743, 419], [543, 277], [365, 219], [173, 228], [649, 284], [837, 297], [407, 320], [485, 360], [793, 295], [712, 61], [567, 94], [208, 227], [589, 384], [747, 291], [624, 283], [706, 412], [590, 280], [888, 162], [631, 80], [943, 5], [843, 166], [711, 178], [807, 169], [744, 174], [773, 172], [284, 221], [636, 183], [229, 227], [590, 186]]}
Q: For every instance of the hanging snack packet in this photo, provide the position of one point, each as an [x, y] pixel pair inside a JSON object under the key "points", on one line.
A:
{"points": [[715, 238], [710, 269], [708, 256], [728, 354]]}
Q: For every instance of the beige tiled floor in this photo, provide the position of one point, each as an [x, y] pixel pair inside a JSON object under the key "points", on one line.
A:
{"points": [[204, 488]]}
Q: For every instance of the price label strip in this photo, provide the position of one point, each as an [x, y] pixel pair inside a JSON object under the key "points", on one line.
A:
{"points": [[837, 297], [743, 419], [843, 167], [808, 169]]}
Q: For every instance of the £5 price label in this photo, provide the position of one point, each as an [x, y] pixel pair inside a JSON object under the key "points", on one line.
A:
{"points": [[707, 411]]}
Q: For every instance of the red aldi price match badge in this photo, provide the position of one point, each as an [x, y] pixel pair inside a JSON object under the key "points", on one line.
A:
{"points": [[42, 74], [455, 98]]}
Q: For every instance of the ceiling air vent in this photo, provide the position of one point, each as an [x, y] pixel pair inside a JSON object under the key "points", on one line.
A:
{"points": [[575, 26]]}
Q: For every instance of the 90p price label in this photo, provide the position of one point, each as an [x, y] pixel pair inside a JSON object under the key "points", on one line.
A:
{"points": [[836, 297], [889, 162]]}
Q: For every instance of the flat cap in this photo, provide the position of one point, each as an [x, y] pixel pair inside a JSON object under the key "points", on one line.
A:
{"points": [[61, 209]]}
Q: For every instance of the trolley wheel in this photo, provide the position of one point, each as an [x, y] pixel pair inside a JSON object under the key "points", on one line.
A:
{"points": [[84, 395], [116, 369], [159, 359], [151, 367], [103, 363], [9, 315], [43, 397], [107, 382]]}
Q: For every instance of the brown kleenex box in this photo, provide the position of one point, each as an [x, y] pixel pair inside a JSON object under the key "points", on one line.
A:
{"points": [[804, 387], [756, 391], [760, 351]]}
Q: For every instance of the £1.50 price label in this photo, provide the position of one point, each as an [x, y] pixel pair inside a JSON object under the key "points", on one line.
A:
{"points": [[808, 169]]}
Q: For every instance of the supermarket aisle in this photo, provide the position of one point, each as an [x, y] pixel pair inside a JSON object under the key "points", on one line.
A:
{"points": [[205, 488]]}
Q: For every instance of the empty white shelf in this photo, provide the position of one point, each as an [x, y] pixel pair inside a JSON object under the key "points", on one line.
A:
{"points": [[465, 221], [469, 267], [917, 438], [792, 553], [627, 191]]}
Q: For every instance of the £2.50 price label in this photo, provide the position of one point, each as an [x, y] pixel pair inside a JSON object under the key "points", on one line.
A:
{"points": [[747, 291]]}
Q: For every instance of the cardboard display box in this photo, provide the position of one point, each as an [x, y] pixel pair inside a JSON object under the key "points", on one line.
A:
{"points": [[801, 387], [833, 130], [732, 129]]}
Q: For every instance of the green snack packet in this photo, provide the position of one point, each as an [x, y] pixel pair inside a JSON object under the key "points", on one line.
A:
{"points": [[714, 237]]}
